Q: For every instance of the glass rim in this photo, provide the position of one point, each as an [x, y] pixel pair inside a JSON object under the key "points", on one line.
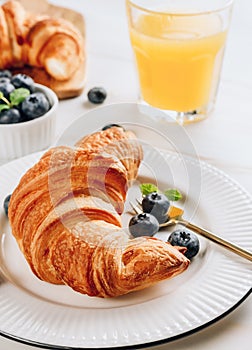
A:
{"points": [[180, 13]]}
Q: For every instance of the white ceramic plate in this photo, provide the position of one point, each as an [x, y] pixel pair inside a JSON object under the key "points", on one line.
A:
{"points": [[216, 282]]}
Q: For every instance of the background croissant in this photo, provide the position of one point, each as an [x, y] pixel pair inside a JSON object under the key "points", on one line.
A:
{"points": [[39, 41], [65, 216]]}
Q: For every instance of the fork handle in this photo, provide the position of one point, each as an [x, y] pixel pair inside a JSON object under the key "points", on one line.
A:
{"points": [[216, 239]]}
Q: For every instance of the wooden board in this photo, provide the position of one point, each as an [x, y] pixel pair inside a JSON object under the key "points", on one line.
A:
{"points": [[64, 89]]}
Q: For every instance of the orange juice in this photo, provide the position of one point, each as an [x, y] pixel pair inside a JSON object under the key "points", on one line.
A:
{"points": [[178, 59]]}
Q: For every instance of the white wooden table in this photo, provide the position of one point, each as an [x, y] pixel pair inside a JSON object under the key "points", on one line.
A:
{"points": [[224, 139]]}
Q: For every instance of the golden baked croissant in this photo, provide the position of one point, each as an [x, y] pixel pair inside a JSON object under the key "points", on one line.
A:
{"points": [[39, 41], [65, 216]]}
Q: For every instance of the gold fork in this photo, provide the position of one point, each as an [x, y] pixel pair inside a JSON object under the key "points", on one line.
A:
{"points": [[175, 218]]}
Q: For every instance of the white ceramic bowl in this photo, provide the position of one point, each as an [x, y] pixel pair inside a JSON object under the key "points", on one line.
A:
{"points": [[20, 139]]}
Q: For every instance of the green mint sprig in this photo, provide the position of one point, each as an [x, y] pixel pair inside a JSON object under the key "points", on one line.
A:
{"points": [[147, 188], [172, 193], [17, 96]]}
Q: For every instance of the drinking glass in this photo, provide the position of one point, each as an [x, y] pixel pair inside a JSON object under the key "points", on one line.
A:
{"points": [[179, 47]]}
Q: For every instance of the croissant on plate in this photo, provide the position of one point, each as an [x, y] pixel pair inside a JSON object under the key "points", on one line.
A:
{"points": [[65, 216], [53, 44]]}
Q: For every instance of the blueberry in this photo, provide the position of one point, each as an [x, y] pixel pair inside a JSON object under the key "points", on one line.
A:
{"points": [[10, 116], [97, 95], [6, 89], [108, 126], [4, 80], [185, 238], [157, 204], [35, 105], [143, 224], [6, 204], [24, 81], [5, 73]]}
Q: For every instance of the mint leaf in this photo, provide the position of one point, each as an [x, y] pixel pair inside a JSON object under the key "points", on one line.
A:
{"points": [[18, 95], [148, 188], [173, 194], [3, 107]]}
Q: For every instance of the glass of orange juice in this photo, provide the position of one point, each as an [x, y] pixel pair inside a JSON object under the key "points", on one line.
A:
{"points": [[179, 47]]}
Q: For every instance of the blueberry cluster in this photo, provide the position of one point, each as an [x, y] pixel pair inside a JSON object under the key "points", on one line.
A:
{"points": [[19, 102], [155, 212]]}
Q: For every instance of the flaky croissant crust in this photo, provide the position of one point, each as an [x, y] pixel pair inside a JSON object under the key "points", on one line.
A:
{"points": [[53, 44], [65, 216]]}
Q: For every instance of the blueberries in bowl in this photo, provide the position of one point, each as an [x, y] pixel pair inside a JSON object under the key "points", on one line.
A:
{"points": [[4, 80], [35, 105], [185, 238], [10, 116], [18, 101], [23, 81], [157, 204], [6, 87], [5, 73], [143, 224]]}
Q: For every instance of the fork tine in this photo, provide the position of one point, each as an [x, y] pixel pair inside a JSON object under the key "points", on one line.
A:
{"points": [[139, 203], [135, 208]]}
